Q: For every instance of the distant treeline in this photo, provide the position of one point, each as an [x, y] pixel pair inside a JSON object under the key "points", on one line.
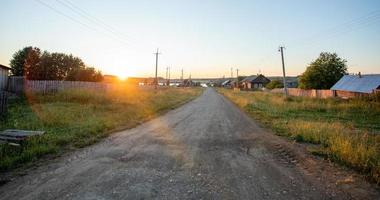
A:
{"points": [[34, 64]]}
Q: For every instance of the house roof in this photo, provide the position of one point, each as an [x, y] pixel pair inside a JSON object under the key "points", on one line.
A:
{"points": [[4, 67], [256, 78], [226, 82], [249, 78], [355, 83]]}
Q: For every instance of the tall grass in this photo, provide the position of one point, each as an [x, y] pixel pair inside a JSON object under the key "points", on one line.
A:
{"points": [[76, 118], [347, 131]]}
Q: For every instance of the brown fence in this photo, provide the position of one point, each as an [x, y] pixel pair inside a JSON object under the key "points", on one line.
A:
{"points": [[310, 93], [19, 85], [320, 93]]}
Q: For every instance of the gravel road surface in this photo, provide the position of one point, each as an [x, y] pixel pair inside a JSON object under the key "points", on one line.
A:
{"points": [[206, 149]]}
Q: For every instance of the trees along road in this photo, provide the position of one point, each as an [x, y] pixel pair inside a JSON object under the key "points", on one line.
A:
{"points": [[206, 149]]}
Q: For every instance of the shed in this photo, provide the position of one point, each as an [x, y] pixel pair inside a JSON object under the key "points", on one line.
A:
{"points": [[4, 73], [255, 81], [358, 83]]}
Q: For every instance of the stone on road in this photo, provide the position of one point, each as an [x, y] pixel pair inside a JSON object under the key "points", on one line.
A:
{"points": [[206, 149]]}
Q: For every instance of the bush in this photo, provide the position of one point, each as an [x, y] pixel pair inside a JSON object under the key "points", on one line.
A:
{"points": [[274, 84]]}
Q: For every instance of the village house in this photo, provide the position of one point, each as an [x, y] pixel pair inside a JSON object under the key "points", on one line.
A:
{"points": [[255, 82], [4, 73], [357, 85]]}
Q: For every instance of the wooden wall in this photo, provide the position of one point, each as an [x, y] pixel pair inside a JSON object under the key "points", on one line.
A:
{"points": [[3, 79]]}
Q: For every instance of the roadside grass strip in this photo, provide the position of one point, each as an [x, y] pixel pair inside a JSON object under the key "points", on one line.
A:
{"points": [[346, 131], [77, 118]]}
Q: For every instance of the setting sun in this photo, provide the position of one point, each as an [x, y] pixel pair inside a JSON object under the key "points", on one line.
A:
{"points": [[121, 73]]}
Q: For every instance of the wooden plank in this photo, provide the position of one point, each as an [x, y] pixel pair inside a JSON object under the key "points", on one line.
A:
{"points": [[7, 138], [20, 133], [14, 137]]}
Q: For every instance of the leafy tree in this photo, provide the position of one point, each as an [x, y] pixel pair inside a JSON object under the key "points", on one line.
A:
{"points": [[31, 63], [85, 74], [324, 72], [25, 59], [274, 84]]}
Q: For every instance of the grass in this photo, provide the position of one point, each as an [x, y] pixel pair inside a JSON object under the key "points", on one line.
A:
{"points": [[77, 118], [347, 131]]}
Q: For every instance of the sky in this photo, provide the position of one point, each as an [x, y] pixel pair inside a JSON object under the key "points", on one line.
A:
{"points": [[205, 38]]}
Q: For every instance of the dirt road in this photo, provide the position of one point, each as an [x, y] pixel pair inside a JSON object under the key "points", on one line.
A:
{"points": [[206, 149]]}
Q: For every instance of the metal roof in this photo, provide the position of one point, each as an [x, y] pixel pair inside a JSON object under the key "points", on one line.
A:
{"points": [[226, 82], [249, 78], [355, 83]]}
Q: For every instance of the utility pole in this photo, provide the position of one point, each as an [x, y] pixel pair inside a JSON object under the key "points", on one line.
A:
{"points": [[182, 75], [166, 76], [281, 49], [237, 77], [167, 69], [232, 73], [156, 80], [169, 76]]}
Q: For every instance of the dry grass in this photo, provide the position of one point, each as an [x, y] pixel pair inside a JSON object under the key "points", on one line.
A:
{"points": [[76, 118], [347, 130]]}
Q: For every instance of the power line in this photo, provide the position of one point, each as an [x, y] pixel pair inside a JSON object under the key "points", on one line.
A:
{"points": [[99, 22], [105, 31], [91, 19], [67, 16], [344, 28]]}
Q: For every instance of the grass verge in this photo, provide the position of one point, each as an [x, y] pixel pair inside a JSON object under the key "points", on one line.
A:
{"points": [[77, 118], [347, 131]]}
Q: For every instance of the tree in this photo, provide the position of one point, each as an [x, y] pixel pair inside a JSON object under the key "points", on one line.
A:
{"points": [[31, 63], [274, 84], [25, 59], [324, 72], [85, 74]]}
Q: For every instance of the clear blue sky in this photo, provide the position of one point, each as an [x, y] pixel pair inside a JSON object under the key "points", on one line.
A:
{"points": [[204, 37]]}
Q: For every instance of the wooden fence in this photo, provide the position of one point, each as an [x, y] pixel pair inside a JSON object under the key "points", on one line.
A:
{"points": [[311, 93], [3, 103], [55, 86], [319, 93], [19, 85], [16, 84]]}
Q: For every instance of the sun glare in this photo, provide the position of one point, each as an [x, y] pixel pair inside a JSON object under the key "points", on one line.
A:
{"points": [[122, 77]]}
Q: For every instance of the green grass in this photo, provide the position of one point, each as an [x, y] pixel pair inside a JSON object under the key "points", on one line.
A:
{"points": [[77, 118], [347, 131]]}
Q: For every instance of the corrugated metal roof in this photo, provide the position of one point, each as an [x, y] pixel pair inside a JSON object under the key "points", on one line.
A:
{"points": [[354, 83]]}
